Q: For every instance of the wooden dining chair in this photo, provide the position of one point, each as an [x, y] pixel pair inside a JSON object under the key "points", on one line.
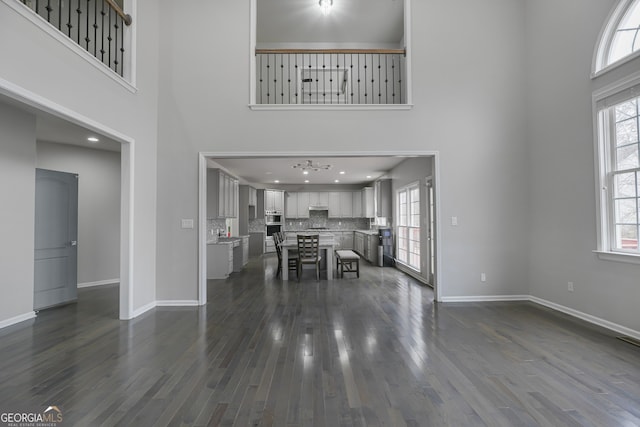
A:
{"points": [[309, 253], [278, 238]]}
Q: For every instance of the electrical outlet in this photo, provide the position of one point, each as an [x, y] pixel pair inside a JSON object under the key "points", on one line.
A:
{"points": [[483, 277], [570, 286], [186, 223]]}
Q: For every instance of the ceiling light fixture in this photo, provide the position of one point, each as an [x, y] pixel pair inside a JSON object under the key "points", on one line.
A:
{"points": [[342, 172], [369, 177], [310, 166], [92, 139], [305, 172], [277, 181], [306, 181], [325, 6], [336, 181]]}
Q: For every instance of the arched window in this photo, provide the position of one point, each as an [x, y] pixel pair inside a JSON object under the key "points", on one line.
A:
{"points": [[616, 106], [620, 38]]}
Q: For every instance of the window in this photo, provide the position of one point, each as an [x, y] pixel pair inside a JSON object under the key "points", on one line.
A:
{"points": [[620, 154], [621, 36], [408, 213]]}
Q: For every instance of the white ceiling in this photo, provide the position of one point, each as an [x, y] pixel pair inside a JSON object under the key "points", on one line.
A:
{"points": [[265, 171], [53, 129], [350, 21]]}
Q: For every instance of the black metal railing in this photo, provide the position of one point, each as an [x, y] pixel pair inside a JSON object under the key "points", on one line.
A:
{"points": [[330, 76], [96, 25]]}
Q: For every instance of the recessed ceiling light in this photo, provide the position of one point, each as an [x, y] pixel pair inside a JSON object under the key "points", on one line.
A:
{"points": [[337, 180], [277, 181], [368, 176], [305, 173], [306, 181], [92, 139], [342, 172]]}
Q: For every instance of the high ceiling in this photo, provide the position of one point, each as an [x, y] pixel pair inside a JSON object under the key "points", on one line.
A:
{"points": [[266, 171], [350, 21]]}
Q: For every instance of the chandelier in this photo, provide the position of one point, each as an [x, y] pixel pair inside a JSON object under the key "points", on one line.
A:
{"points": [[310, 166]]}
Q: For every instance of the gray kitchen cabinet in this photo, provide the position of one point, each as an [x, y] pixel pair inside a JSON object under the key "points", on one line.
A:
{"points": [[291, 205], [358, 243], [253, 196], [222, 194], [303, 204], [219, 260], [346, 240]]}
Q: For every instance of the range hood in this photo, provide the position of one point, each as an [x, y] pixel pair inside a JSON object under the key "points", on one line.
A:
{"points": [[318, 208]]}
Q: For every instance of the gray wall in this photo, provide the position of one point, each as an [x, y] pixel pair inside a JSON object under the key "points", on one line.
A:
{"points": [[98, 206], [72, 83], [561, 38], [17, 191], [468, 92]]}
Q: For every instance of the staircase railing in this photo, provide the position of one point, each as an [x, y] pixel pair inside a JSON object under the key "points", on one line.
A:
{"points": [[330, 76], [96, 25]]}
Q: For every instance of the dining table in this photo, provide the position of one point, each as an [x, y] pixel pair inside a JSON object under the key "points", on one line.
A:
{"points": [[326, 246]]}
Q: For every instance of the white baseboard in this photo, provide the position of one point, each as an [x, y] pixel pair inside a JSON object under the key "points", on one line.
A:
{"points": [[17, 319], [486, 298], [413, 274], [623, 330], [587, 317], [177, 303], [141, 310], [98, 283]]}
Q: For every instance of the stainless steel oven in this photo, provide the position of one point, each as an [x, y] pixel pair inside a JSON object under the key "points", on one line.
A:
{"points": [[272, 217]]}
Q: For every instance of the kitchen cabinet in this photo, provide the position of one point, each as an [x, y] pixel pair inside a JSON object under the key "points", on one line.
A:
{"points": [[291, 205], [346, 240], [253, 196], [372, 253], [334, 204], [219, 260], [222, 194], [358, 243], [366, 244], [357, 204], [319, 198], [346, 204], [303, 204], [274, 200], [368, 206], [383, 198]]}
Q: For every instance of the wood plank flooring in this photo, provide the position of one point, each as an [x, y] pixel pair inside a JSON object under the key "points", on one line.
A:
{"points": [[374, 351]]}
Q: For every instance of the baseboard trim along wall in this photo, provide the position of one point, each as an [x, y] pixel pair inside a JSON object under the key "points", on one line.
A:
{"points": [[98, 283], [552, 305], [143, 309], [17, 319], [177, 303]]}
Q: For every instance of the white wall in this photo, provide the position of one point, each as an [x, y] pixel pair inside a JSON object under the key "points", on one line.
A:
{"points": [[74, 85], [17, 219], [98, 206], [561, 37], [468, 95]]}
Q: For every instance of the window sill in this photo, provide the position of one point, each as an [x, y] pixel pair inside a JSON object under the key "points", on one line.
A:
{"points": [[338, 107], [618, 257]]}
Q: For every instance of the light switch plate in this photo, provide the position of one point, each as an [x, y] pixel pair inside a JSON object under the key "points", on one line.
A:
{"points": [[187, 223], [454, 220]]}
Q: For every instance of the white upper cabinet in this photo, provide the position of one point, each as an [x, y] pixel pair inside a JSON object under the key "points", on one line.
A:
{"points": [[319, 198], [274, 200], [291, 205], [222, 194], [346, 204], [334, 204], [303, 205], [368, 205], [357, 204]]}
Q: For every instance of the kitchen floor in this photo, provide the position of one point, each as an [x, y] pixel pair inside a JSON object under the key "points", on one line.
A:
{"points": [[368, 351]]}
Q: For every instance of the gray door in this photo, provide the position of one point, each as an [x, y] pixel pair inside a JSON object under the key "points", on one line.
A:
{"points": [[56, 235]]}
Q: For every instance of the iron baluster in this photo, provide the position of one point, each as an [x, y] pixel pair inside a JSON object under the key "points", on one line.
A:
{"points": [[86, 37], [103, 14], [109, 39], [79, 12]]}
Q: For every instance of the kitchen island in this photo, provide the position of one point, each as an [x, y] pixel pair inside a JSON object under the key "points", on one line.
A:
{"points": [[326, 246]]}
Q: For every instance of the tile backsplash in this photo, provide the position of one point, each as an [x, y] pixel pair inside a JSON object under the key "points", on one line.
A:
{"points": [[321, 219]]}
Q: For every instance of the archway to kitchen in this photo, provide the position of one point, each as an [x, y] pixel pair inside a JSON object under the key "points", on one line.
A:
{"points": [[404, 183]]}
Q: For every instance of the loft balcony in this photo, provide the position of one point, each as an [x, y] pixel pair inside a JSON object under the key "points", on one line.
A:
{"points": [[331, 77], [100, 27]]}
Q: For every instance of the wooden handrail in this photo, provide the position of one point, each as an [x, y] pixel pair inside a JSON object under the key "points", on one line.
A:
{"points": [[331, 51], [125, 16]]}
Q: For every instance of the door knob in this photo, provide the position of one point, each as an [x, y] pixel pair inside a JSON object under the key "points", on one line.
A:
{"points": [[74, 243]]}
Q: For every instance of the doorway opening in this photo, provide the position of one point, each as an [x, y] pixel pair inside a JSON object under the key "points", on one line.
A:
{"points": [[236, 163]]}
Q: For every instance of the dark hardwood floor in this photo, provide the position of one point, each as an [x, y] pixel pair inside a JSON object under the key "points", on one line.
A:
{"points": [[373, 351]]}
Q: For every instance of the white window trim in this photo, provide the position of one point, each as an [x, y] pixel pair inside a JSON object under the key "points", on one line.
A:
{"points": [[602, 162], [599, 64], [407, 188]]}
